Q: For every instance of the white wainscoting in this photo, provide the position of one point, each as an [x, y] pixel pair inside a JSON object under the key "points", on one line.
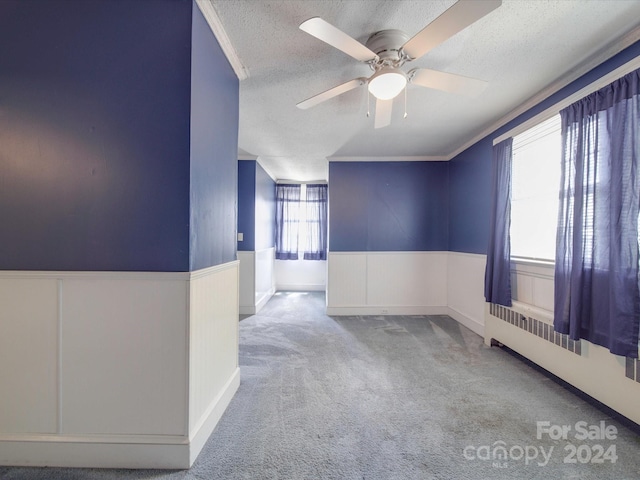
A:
{"points": [[379, 283], [247, 298], [465, 289], [532, 284], [301, 275], [214, 375], [105, 369], [257, 279], [29, 355], [265, 277]]}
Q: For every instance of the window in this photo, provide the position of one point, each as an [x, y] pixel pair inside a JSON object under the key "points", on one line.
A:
{"points": [[315, 241], [535, 185], [596, 256], [301, 225], [287, 221]]}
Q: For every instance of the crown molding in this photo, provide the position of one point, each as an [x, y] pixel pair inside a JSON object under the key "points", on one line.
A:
{"points": [[389, 159], [257, 160], [211, 16], [300, 182], [268, 172], [603, 55], [600, 57], [601, 82]]}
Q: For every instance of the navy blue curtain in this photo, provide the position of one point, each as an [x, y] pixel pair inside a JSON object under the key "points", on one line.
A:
{"points": [[316, 248], [596, 274], [497, 276], [287, 221]]}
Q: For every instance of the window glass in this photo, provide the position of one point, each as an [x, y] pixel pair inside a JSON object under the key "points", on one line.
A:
{"points": [[535, 185], [301, 222]]}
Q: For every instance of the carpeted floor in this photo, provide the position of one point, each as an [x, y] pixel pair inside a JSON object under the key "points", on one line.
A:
{"points": [[394, 397]]}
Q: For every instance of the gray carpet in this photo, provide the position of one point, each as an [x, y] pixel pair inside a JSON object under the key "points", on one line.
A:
{"points": [[394, 397]]}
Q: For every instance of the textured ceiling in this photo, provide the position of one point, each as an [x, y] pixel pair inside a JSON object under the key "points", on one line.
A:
{"points": [[521, 49]]}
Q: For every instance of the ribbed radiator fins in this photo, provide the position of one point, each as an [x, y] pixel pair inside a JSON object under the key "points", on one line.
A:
{"points": [[633, 369], [535, 327], [545, 330]]}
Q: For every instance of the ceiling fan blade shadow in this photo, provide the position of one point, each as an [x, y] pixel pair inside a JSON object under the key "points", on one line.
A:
{"points": [[455, 19], [447, 82], [383, 113], [335, 37], [332, 92]]}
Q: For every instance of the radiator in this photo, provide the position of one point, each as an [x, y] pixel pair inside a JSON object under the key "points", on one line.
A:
{"points": [[535, 326], [610, 379], [632, 369]]}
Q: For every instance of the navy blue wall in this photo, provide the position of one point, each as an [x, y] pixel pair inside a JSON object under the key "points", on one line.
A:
{"points": [[265, 210], [214, 150], [469, 200], [256, 206], [247, 204], [94, 135], [470, 194], [388, 206]]}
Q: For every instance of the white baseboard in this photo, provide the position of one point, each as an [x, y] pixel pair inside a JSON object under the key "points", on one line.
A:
{"points": [[297, 287], [89, 452], [388, 310], [263, 301], [474, 325], [253, 309], [204, 430]]}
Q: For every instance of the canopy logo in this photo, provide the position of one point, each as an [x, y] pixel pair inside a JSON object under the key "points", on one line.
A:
{"points": [[502, 455]]}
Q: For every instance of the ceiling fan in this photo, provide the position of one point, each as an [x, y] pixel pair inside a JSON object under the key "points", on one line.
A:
{"points": [[388, 50]]}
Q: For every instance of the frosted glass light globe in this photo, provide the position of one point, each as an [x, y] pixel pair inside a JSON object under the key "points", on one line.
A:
{"points": [[387, 83]]}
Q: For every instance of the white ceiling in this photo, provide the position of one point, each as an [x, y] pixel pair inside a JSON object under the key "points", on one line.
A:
{"points": [[525, 49]]}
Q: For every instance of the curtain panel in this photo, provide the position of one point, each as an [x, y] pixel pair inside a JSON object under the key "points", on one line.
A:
{"points": [[287, 221], [497, 278], [596, 271], [316, 248]]}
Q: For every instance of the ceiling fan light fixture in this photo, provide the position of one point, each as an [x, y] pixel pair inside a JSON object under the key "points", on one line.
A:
{"points": [[387, 83]]}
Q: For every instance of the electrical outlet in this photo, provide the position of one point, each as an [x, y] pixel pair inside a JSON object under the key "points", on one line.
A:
{"points": [[240, 236], [385, 311]]}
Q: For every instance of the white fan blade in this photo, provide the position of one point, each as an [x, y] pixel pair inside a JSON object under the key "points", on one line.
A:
{"points": [[458, 17], [383, 113], [448, 82], [332, 92], [337, 38]]}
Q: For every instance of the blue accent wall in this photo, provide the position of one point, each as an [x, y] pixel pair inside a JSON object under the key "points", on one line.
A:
{"points": [[247, 204], [94, 135], [214, 150], [470, 171], [388, 206], [113, 154], [256, 206], [469, 200], [265, 210]]}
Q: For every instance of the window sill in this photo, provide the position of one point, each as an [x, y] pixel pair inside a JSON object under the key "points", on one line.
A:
{"points": [[533, 261], [533, 268]]}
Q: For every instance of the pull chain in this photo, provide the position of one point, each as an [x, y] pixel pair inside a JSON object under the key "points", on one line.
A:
{"points": [[368, 99], [405, 102]]}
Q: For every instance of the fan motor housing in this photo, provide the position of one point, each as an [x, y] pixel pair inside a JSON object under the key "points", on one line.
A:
{"points": [[387, 44]]}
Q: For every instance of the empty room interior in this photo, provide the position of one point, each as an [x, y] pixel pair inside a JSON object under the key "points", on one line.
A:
{"points": [[338, 239]]}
